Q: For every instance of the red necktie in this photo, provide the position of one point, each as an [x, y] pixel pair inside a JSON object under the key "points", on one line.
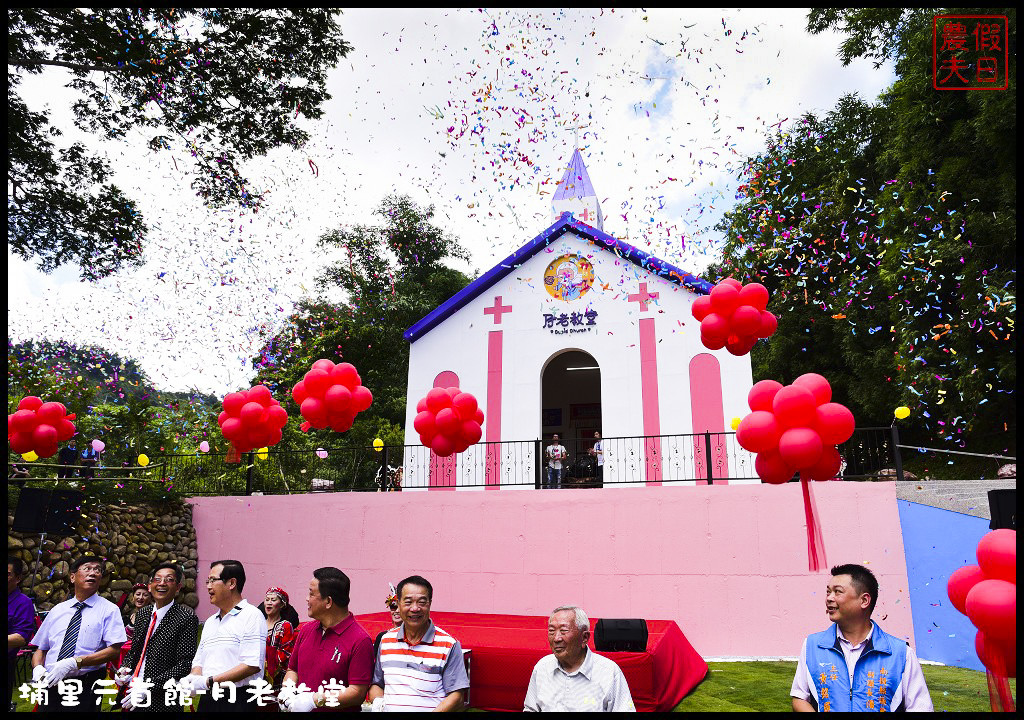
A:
{"points": [[142, 655]]}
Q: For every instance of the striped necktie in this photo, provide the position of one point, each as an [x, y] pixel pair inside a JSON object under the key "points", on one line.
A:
{"points": [[142, 655], [67, 648]]}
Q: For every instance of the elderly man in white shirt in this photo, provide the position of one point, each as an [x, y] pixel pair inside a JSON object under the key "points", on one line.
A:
{"points": [[572, 678], [78, 637]]}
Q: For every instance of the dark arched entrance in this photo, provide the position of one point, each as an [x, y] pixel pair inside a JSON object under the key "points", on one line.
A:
{"points": [[571, 407]]}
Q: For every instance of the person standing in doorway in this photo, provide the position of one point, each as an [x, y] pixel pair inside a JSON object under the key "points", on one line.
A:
{"points": [[598, 452], [555, 454]]}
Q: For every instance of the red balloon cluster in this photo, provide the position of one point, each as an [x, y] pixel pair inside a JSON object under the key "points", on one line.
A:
{"points": [[252, 419], [987, 594], [331, 395], [38, 426], [733, 316], [448, 420], [795, 428]]}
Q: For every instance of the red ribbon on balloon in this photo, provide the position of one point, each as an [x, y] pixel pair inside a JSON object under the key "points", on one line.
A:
{"points": [[796, 428], [38, 427], [448, 420], [987, 594], [734, 316], [251, 419], [331, 395]]}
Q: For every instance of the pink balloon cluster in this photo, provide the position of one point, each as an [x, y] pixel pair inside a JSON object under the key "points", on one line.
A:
{"points": [[733, 316], [332, 395], [795, 429], [987, 594], [448, 420], [38, 426], [252, 419]]}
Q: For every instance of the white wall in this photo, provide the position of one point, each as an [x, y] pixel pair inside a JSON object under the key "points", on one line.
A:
{"points": [[460, 344]]}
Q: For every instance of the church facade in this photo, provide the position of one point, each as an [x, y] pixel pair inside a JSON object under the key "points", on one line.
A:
{"points": [[578, 332]]}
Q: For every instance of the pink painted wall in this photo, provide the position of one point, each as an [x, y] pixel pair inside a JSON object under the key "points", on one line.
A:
{"points": [[728, 563]]}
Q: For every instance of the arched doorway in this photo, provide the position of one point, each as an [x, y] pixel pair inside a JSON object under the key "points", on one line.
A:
{"points": [[571, 407]]}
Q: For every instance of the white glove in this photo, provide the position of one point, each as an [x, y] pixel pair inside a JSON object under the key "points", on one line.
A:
{"points": [[38, 673], [60, 671], [377, 705], [284, 698], [135, 697], [196, 684], [300, 702], [126, 703], [122, 676]]}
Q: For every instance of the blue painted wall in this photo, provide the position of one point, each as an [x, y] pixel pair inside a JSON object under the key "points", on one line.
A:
{"points": [[936, 543]]}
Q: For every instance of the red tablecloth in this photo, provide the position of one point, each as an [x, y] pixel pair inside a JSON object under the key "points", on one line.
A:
{"points": [[506, 648]]}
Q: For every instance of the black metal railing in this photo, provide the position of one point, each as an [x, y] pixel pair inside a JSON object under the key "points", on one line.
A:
{"points": [[699, 458]]}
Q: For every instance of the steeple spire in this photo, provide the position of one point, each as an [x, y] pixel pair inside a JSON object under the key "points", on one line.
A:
{"points": [[575, 194]]}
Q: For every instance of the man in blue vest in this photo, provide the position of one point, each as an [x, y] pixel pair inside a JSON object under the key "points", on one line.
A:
{"points": [[854, 666]]}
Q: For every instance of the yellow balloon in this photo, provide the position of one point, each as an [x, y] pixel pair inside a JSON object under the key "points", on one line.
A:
{"points": [[143, 460], [263, 453], [30, 456], [378, 444], [902, 412], [735, 423]]}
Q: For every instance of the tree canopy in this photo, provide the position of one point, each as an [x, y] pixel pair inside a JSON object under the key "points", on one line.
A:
{"points": [[886, 234], [222, 85], [393, 273]]}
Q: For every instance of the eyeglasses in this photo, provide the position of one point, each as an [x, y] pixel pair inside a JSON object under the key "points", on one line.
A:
{"points": [[211, 580], [393, 607]]}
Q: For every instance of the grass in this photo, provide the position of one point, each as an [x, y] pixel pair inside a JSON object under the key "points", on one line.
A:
{"points": [[764, 687]]}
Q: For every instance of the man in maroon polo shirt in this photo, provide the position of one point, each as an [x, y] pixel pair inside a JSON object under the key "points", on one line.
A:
{"points": [[332, 661]]}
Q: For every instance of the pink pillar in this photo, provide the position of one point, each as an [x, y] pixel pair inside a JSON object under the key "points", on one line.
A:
{"points": [[492, 416], [708, 415], [649, 399], [492, 474]]}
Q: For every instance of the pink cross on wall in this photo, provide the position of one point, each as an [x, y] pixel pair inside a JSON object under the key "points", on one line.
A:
{"points": [[643, 297], [497, 310]]}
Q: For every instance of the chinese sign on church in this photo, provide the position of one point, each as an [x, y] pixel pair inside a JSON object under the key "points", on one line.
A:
{"points": [[570, 323], [970, 52]]}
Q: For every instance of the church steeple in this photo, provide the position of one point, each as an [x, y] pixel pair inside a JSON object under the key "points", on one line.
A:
{"points": [[576, 195]]}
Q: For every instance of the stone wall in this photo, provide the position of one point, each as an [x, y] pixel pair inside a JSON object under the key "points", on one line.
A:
{"points": [[133, 539]]}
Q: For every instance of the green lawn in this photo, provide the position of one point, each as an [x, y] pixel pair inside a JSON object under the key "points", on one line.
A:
{"points": [[764, 687]]}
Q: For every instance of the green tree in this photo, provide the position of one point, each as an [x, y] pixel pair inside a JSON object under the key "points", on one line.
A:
{"points": [[393, 274], [886, 234], [223, 85]]}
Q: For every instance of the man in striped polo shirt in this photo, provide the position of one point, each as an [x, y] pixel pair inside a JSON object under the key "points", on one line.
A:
{"points": [[419, 666]]}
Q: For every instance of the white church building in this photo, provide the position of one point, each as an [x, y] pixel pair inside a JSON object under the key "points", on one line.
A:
{"points": [[578, 332]]}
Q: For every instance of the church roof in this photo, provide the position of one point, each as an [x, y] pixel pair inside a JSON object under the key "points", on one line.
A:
{"points": [[576, 181], [564, 224]]}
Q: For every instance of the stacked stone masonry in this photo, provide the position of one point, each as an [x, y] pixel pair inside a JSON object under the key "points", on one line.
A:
{"points": [[133, 540]]}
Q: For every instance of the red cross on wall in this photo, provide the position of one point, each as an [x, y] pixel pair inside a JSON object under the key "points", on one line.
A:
{"points": [[497, 310], [643, 297]]}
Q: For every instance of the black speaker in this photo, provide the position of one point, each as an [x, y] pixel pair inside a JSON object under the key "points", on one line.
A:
{"points": [[628, 635], [30, 513], [49, 511], [1002, 505]]}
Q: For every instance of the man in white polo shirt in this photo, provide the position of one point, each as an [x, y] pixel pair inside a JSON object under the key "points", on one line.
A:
{"points": [[573, 679], [233, 645]]}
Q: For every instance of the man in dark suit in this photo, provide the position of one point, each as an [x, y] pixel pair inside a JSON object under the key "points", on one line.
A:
{"points": [[163, 645]]}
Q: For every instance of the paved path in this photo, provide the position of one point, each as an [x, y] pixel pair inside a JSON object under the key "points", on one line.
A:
{"points": [[963, 496]]}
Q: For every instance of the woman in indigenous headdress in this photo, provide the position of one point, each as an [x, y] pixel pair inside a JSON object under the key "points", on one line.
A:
{"points": [[130, 602], [282, 626], [391, 603]]}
